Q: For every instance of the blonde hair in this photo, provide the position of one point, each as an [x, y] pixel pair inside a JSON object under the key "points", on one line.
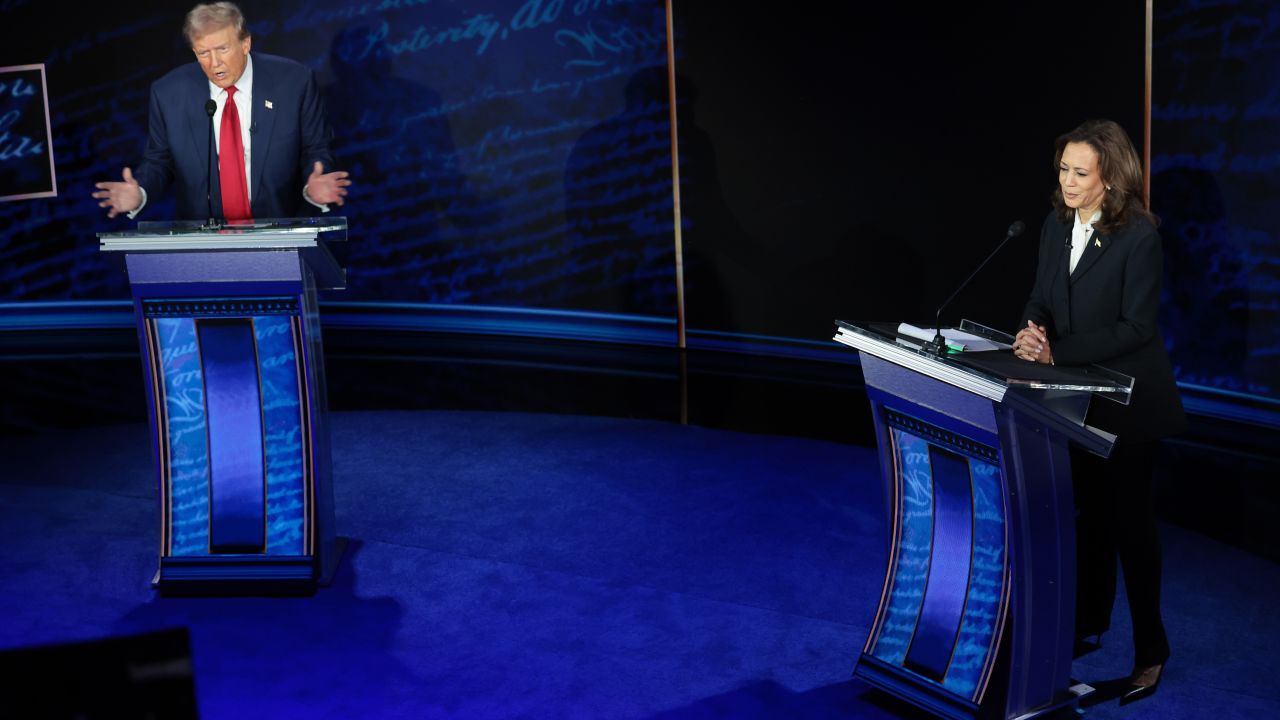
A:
{"points": [[212, 17]]}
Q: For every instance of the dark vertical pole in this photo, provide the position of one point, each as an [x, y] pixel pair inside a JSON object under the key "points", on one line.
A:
{"points": [[675, 176], [675, 200]]}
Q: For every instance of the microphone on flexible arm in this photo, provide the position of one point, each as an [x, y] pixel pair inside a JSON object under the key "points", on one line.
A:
{"points": [[210, 107], [938, 345]]}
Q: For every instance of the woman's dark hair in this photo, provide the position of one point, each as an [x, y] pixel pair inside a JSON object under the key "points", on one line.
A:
{"points": [[1121, 172]]}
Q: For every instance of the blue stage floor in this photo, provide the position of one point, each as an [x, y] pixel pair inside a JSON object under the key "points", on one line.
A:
{"points": [[518, 565]]}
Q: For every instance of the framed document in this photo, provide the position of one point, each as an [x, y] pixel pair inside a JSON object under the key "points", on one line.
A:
{"points": [[26, 141]]}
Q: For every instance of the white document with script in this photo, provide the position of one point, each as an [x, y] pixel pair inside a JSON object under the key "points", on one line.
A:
{"points": [[956, 339]]}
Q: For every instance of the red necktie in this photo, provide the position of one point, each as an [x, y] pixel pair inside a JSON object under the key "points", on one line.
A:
{"points": [[235, 190]]}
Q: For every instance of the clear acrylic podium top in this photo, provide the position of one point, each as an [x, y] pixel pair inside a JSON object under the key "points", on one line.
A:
{"points": [[186, 242], [989, 373], [266, 233]]}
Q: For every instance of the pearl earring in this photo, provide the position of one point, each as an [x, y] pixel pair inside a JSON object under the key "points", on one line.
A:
{"points": [[1108, 188]]}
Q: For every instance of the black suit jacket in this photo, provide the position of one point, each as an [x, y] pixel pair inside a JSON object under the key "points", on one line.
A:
{"points": [[288, 137], [1106, 312]]}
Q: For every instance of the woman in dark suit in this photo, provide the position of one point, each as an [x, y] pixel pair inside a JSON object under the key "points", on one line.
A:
{"points": [[1096, 300]]}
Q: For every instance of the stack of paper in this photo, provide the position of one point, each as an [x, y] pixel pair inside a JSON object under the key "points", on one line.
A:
{"points": [[956, 339]]}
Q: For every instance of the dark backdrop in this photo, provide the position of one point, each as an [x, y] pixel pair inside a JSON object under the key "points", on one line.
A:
{"points": [[1215, 124], [852, 161], [502, 151], [866, 158]]}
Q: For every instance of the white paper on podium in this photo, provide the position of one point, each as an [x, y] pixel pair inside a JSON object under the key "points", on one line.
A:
{"points": [[956, 339]]}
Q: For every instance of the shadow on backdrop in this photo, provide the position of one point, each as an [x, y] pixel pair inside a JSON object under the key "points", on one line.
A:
{"points": [[408, 190], [1206, 295], [618, 206]]}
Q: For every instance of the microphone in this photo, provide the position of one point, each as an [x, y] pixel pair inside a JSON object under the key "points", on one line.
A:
{"points": [[938, 345], [210, 108]]}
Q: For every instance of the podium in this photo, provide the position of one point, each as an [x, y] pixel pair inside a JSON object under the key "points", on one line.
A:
{"points": [[976, 616], [230, 337]]}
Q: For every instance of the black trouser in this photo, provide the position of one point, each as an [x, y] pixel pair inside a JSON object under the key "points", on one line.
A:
{"points": [[1117, 518]]}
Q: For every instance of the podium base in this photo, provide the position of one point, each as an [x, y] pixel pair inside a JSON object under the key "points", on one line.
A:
{"points": [[223, 575]]}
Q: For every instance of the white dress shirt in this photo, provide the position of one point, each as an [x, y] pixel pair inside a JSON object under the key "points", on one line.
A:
{"points": [[244, 108], [1080, 235]]}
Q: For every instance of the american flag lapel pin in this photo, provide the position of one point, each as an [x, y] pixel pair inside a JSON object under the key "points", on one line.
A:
{"points": [[269, 105]]}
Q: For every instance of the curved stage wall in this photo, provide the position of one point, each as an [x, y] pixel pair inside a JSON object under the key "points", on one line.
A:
{"points": [[513, 167]]}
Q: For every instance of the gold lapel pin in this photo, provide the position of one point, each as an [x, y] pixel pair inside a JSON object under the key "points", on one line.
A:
{"points": [[1096, 242], [269, 106]]}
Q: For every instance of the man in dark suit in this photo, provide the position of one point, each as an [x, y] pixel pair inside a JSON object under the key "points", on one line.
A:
{"points": [[1096, 299], [270, 133]]}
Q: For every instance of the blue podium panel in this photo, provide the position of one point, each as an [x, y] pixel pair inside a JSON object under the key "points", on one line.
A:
{"points": [[229, 328], [975, 619], [987, 598], [946, 590], [184, 441], [237, 473], [286, 436], [230, 396], [950, 550]]}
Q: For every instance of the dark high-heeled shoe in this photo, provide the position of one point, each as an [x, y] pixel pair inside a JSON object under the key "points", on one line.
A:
{"points": [[1143, 683]]}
